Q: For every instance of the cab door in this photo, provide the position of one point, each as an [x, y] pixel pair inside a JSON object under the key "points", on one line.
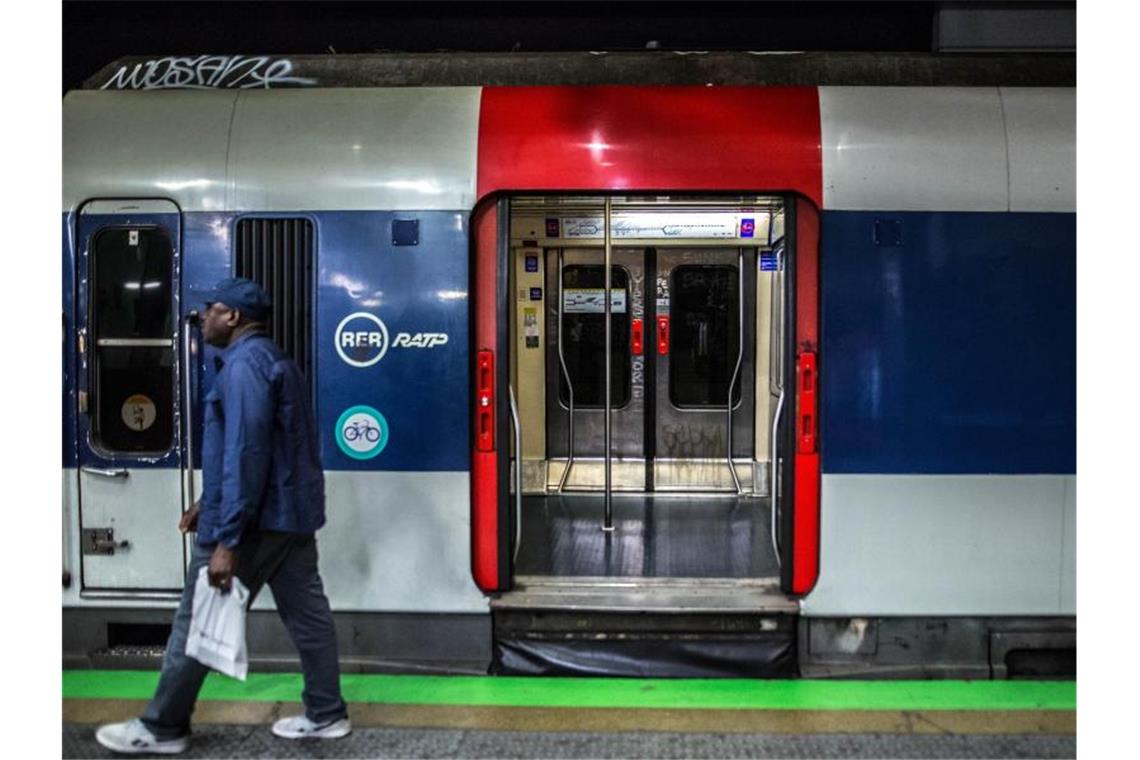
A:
{"points": [[130, 452]]}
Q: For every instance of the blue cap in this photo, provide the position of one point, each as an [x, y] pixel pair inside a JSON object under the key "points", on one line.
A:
{"points": [[244, 295]]}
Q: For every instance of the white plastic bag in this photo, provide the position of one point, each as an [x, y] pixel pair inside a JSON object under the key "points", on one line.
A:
{"points": [[217, 627]]}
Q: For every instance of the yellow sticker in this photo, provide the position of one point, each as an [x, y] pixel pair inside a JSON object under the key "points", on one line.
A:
{"points": [[138, 412]]}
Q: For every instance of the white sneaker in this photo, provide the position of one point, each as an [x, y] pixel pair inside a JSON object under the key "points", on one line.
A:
{"points": [[300, 727], [133, 738]]}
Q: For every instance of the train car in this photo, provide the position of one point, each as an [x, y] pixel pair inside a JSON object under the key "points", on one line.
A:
{"points": [[833, 432]]}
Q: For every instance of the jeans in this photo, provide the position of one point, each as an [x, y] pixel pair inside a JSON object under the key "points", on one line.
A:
{"points": [[288, 563]]}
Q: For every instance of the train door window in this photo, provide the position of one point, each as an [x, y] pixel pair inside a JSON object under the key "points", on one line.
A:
{"points": [[277, 253], [584, 335], [705, 325], [133, 352]]}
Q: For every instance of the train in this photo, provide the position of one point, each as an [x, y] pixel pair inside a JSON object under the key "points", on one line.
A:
{"points": [[609, 379]]}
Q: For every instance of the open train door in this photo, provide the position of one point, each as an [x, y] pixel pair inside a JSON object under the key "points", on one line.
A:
{"points": [[794, 390], [793, 384], [492, 513], [646, 141]]}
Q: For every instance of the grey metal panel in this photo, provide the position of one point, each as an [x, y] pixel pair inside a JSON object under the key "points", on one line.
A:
{"points": [[142, 508], [397, 542], [394, 149], [72, 557], [70, 536], [913, 149], [941, 545], [1041, 125], [637, 67], [128, 207], [1069, 549], [146, 145]]}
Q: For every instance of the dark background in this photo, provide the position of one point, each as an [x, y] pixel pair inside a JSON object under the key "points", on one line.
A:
{"points": [[96, 33]]}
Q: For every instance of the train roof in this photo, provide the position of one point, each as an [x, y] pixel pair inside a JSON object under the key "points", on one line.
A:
{"points": [[451, 69]]}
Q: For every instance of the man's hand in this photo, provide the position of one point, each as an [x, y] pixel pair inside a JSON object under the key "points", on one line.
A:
{"points": [[189, 521], [223, 562]]}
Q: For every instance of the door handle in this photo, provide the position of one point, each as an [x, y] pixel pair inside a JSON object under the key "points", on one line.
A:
{"points": [[637, 337], [806, 422], [485, 401], [663, 335], [188, 375], [122, 474]]}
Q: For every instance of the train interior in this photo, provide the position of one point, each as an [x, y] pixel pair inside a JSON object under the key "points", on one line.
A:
{"points": [[696, 368]]}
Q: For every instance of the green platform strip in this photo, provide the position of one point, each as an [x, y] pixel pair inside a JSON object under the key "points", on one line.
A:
{"points": [[697, 694]]}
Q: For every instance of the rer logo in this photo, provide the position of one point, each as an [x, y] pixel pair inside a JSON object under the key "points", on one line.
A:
{"points": [[747, 228], [361, 432], [361, 339]]}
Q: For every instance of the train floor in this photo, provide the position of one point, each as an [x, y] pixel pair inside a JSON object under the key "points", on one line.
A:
{"points": [[484, 716], [654, 536]]}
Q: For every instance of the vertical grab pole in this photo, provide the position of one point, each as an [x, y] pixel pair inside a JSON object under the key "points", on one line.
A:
{"points": [[518, 471], [188, 406], [739, 359], [608, 524], [777, 339], [569, 383]]}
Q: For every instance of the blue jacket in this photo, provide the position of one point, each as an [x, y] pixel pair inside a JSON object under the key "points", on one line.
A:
{"points": [[260, 461]]}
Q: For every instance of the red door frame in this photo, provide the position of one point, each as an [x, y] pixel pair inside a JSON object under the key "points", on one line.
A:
{"points": [[644, 140]]}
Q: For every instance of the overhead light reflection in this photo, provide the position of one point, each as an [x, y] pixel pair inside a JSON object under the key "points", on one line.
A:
{"points": [[354, 288], [424, 186], [175, 186]]}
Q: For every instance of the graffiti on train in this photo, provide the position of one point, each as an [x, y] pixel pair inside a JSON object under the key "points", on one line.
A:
{"points": [[207, 72]]}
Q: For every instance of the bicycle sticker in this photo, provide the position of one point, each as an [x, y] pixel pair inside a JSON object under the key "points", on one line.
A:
{"points": [[361, 432]]}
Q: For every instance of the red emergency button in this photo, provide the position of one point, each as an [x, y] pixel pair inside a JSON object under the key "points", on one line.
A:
{"points": [[663, 335]]}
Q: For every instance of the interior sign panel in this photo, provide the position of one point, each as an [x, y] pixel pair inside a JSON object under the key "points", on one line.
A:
{"points": [[657, 225], [592, 301]]}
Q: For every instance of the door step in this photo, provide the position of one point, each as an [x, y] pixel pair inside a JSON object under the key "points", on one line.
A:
{"points": [[645, 627], [648, 595]]}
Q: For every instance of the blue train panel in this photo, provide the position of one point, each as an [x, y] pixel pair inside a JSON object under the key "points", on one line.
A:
{"points": [[392, 340], [390, 346], [948, 343]]}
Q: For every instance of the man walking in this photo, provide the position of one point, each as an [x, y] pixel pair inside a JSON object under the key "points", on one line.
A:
{"points": [[262, 501]]}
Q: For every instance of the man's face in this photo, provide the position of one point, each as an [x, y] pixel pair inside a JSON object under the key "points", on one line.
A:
{"points": [[218, 323]]}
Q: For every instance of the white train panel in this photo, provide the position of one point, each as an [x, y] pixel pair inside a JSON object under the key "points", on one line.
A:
{"points": [[1042, 128], [945, 545], [391, 149], [397, 542], [913, 149], [147, 145]]}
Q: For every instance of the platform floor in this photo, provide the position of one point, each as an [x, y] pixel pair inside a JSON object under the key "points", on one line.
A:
{"points": [[655, 536], [251, 742], [482, 716]]}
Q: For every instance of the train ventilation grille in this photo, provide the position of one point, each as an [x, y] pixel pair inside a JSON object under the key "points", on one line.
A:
{"points": [[277, 253]]}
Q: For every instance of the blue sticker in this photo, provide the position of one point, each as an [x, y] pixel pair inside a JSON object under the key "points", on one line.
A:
{"points": [[361, 432], [768, 262], [747, 228], [531, 263], [552, 227], [536, 294]]}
